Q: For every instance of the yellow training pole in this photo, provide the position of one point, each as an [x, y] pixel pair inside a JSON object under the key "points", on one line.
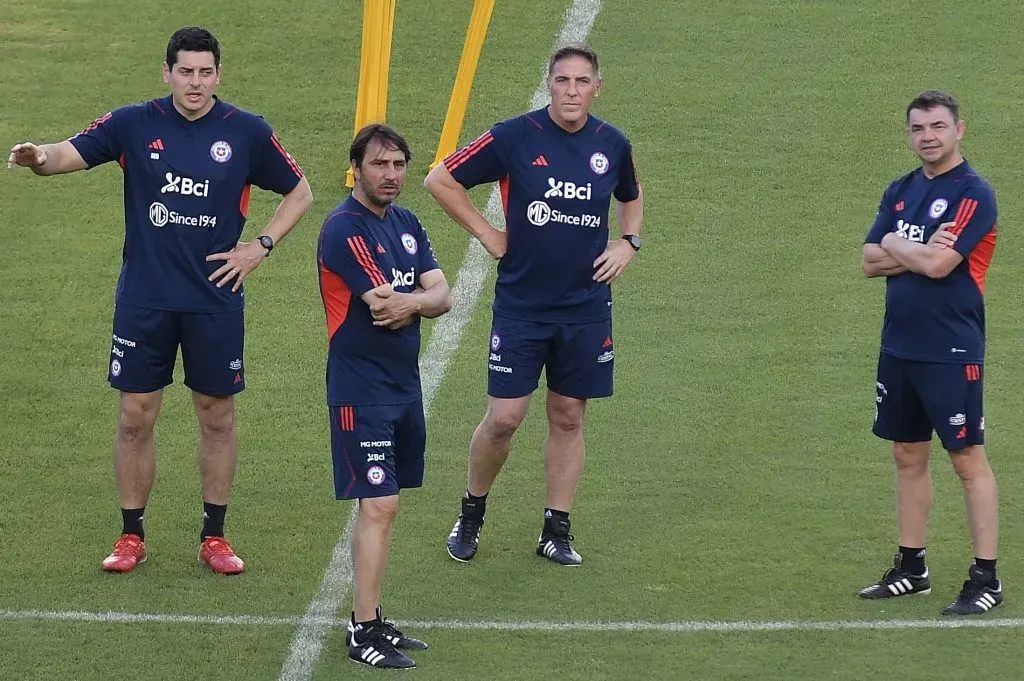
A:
{"points": [[374, 64], [459, 101]]}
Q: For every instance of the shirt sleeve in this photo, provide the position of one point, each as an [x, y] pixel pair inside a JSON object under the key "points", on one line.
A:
{"points": [[345, 252], [427, 261], [271, 167], [628, 188], [103, 140], [483, 160], [883, 219], [975, 218]]}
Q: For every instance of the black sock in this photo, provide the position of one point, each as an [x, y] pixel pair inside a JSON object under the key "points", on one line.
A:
{"points": [[912, 560], [131, 519], [213, 520], [552, 518], [986, 564], [476, 502], [368, 624]]}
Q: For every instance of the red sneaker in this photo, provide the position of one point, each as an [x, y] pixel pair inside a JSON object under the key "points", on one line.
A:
{"points": [[129, 551], [218, 554]]}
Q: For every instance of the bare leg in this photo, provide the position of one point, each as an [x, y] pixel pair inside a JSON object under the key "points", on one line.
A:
{"points": [[564, 451], [370, 547], [981, 497], [135, 448], [913, 491], [492, 441], [218, 446]]}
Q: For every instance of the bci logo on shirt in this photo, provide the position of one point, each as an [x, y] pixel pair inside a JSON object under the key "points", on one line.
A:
{"points": [[567, 190], [402, 278], [186, 186], [909, 231]]}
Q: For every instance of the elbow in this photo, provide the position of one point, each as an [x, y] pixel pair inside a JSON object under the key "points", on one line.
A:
{"points": [[430, 182], [446, 304], [869, 269], [307, 196]]}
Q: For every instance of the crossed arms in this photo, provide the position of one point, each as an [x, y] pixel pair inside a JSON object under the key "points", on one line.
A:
{"points": [[395, 310], [896, 255]]}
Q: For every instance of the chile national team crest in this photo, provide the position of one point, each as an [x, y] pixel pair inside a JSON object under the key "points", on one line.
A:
{"points": [[599, 163], [937, 208], [409, 243], [495, 342], [220, 151], [375, 475]]}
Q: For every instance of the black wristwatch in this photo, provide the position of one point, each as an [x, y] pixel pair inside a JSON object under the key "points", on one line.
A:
{"points": [[634, 241], [268, 243]]}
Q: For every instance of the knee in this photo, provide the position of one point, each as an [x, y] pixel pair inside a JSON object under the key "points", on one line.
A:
{"points": [[567, 421], [911, 457], [501, 424], [379, 510], [217, 419], [136, 419], [970, 463]]}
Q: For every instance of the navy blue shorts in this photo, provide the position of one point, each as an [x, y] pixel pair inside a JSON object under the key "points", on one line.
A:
{"points": [[377, 450], [578, 358], [916, 398], [145, 346]]}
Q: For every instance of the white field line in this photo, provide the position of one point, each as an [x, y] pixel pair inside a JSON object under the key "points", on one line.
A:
{"points": [[683, 627], [308, 641]]}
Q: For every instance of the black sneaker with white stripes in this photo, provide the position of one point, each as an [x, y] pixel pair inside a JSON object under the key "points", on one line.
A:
{"points": [[981, 593], [554, 543], [371, 646], [465, 536], [391, 633], [897, 582]]}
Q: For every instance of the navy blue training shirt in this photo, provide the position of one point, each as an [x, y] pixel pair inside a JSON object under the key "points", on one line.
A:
{"points": [[186, 195], [556, 189], [938, 320], [359, 251]]}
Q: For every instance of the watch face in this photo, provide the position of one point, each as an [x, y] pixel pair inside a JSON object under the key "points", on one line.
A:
{"points": [[266, 242], [634, 241]]}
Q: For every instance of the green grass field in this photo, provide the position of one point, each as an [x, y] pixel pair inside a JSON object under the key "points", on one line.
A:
{"points": [[733, 477]]}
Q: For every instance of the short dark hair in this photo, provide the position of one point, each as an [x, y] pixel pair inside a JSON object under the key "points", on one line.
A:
{"points": [[930, 99], [574, 50], [192, 39], [386, 135]]}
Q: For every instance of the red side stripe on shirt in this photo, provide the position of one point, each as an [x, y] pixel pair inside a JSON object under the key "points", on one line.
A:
{"points": [[981, 257], [288, 157], [337, 296], [503, 185], [366, 261], [463, 155], [964, 213], [243, 201]]}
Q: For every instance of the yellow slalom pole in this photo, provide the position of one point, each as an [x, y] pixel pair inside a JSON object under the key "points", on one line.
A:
{"points": [[374, 64], [384, 60], [459, 101]]}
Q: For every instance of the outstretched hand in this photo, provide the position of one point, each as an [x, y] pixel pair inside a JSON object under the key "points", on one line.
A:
{"points": [[26, 154]]}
